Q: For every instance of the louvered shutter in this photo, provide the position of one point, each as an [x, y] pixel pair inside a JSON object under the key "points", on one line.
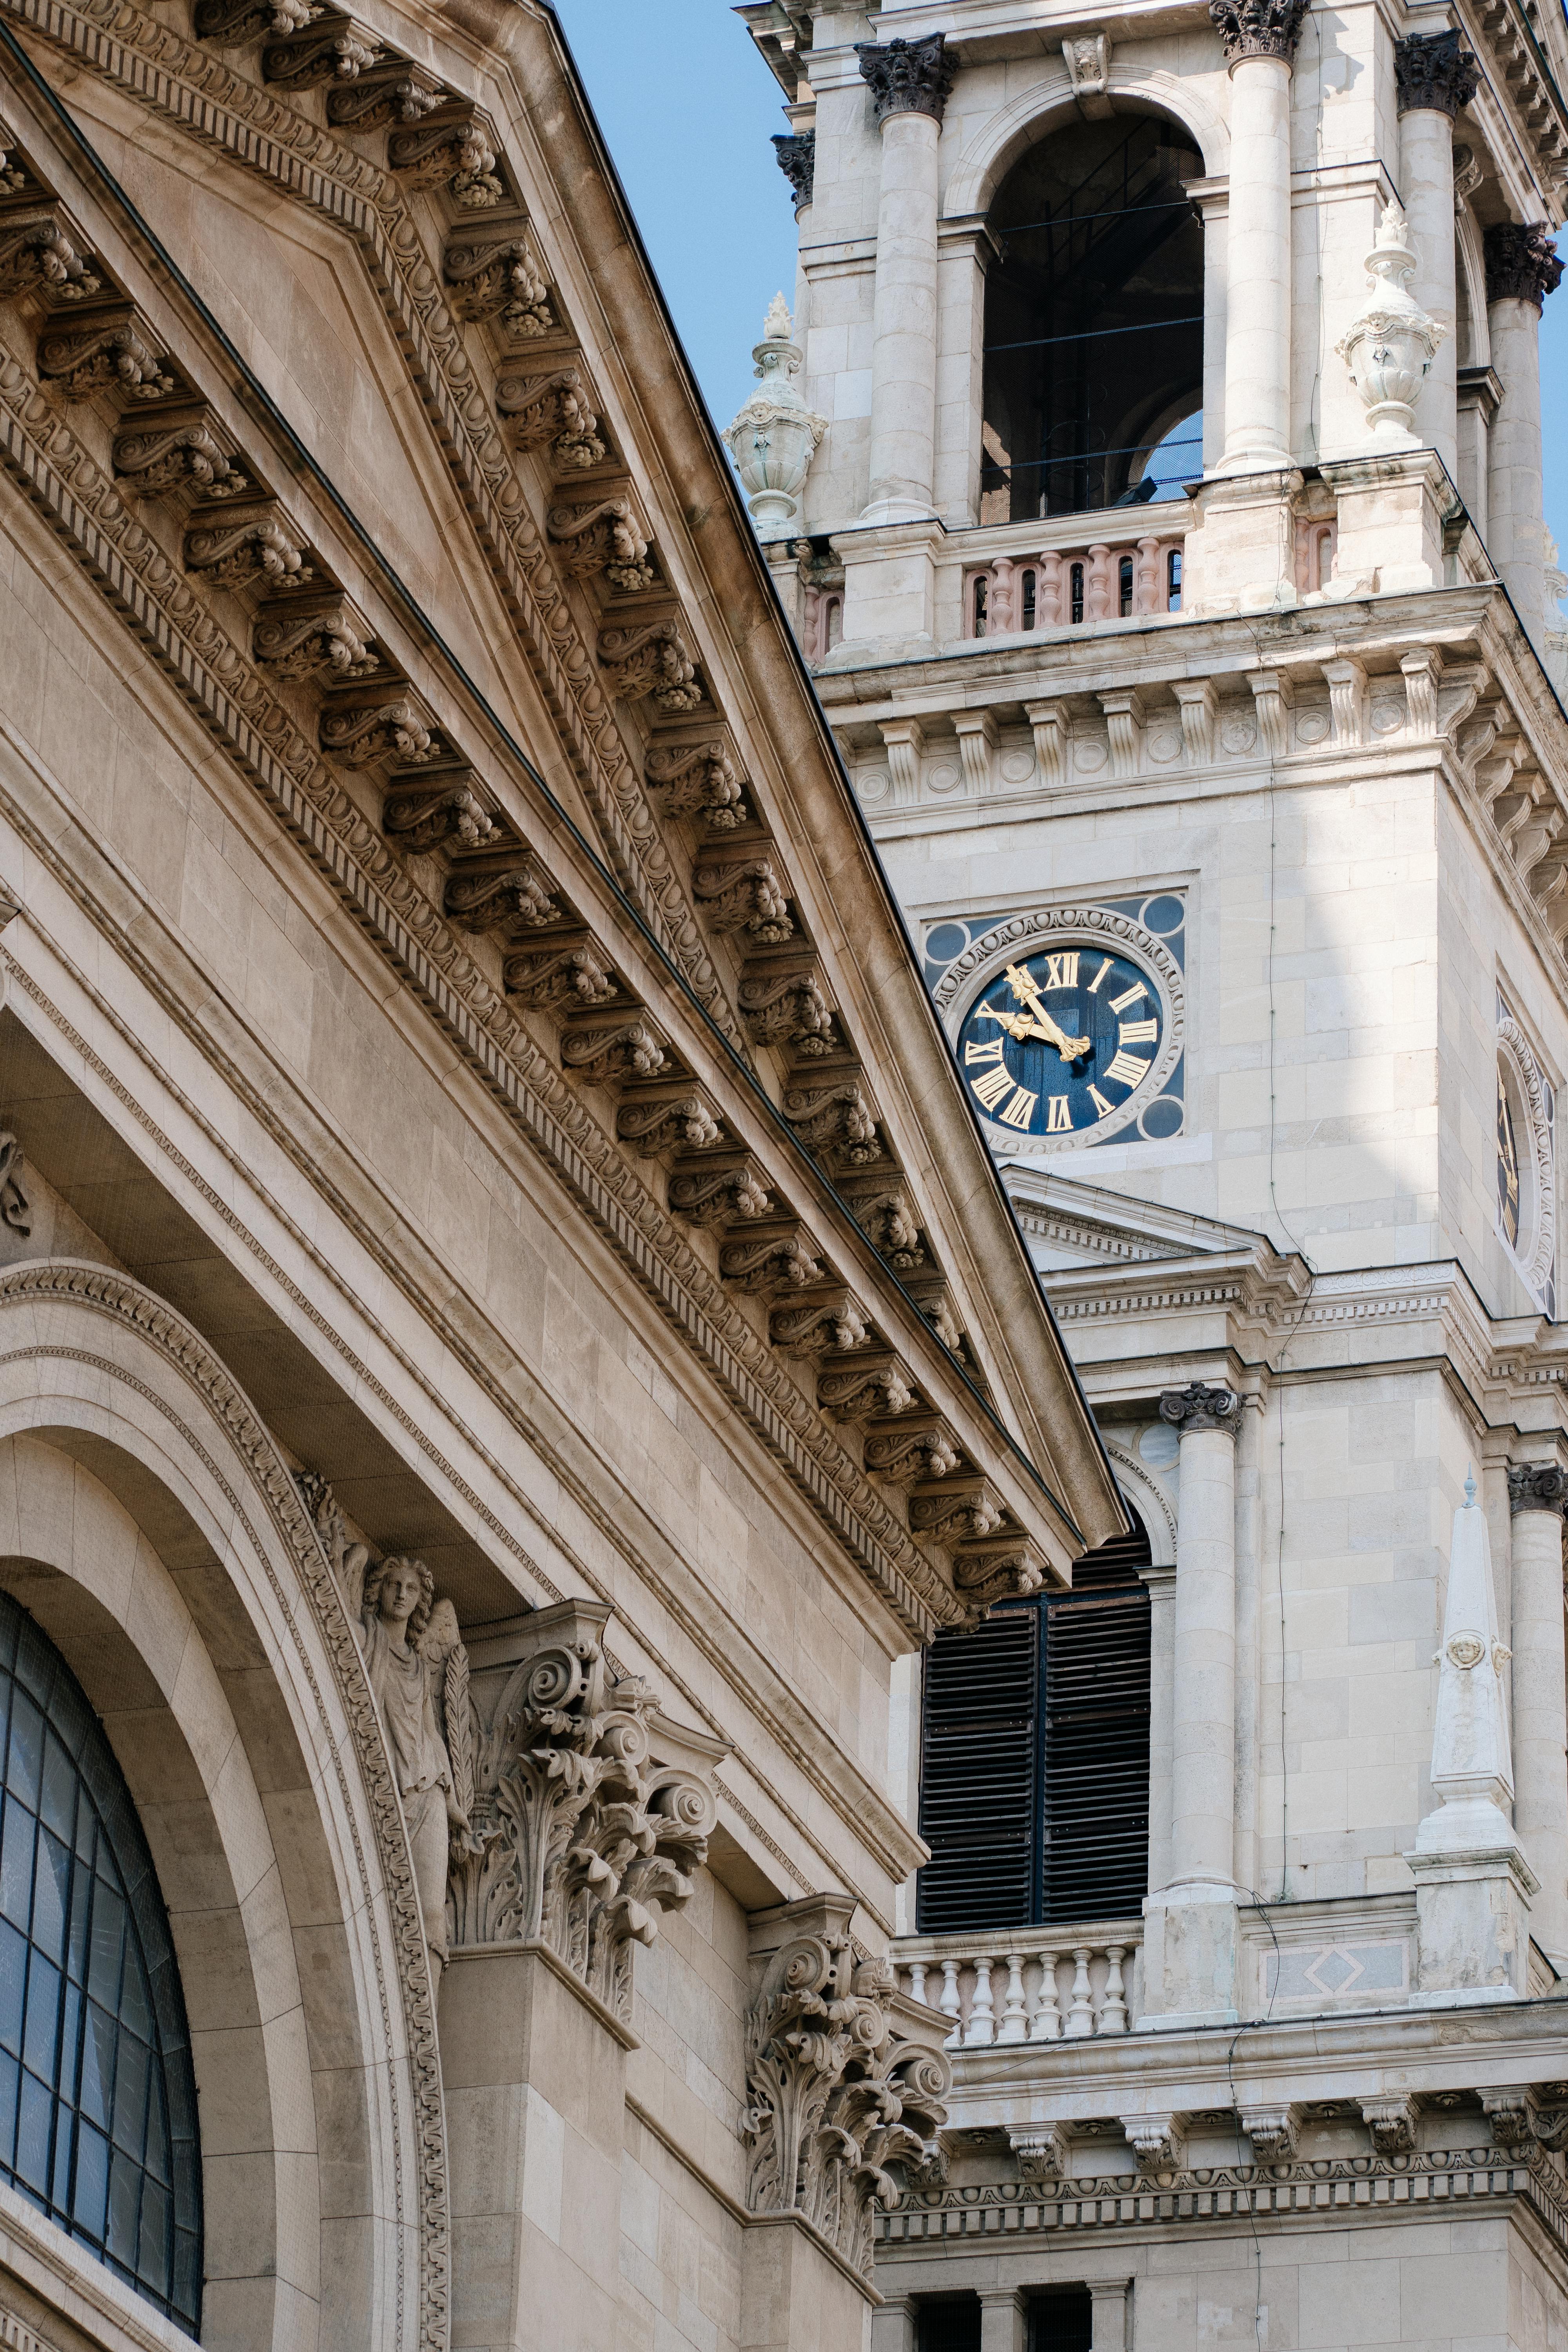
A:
{"points": [[1095, 1863], [979, 1775]]}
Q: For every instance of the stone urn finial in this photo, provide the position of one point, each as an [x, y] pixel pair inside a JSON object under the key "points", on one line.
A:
{"points": [[773, 436], [1389, 344]]}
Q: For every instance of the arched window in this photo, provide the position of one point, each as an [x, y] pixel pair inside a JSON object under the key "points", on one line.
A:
{"points": [[1034, 1756], [97, 2103], [1094, 343]]}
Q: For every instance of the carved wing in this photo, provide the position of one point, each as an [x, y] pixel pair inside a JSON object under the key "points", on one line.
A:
{"points": [[448, 1661]]}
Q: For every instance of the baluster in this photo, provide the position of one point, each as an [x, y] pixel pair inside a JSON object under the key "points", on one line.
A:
{"points": [[1014, 2022], [1097, 584], [1047, 2025], [999, 619], [981, 2029], [1081, 2016], [917, 1980], [1051, 592], [1113, 2008], [1146, 577], [948, 2005]]}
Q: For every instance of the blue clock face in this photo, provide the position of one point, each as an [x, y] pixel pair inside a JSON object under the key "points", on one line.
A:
{"points": [[1058, 1041]]}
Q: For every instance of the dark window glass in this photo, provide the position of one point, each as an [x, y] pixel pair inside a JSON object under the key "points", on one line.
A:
{"points": [[97, 2122], [1075, 582], [1029, 578], [949, 2326], [1173, 581], [1124, 585], [1061, 2321], [981, 586], [1035, 1756]]}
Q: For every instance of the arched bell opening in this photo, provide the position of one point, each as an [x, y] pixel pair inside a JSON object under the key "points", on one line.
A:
{"points": [[1093, 349]]}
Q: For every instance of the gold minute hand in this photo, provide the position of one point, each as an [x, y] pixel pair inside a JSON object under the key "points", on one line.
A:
{"points": [[1042, 1025]]}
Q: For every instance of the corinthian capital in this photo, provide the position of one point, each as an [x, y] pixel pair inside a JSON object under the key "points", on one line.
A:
{"points": [[1198, 1407], [1521, 263], [589, 1812], [845, 2076], [1432, 70], [909, 77], [1258, 28], [1537, 1486], [796, 153]]}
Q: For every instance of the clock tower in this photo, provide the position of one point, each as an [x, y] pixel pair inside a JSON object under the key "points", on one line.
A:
{"points": [[1151, 468]]}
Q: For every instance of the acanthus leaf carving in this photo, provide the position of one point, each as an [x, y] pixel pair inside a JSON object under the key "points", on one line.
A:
{"points": [[442, 807], [590, 1814], [179, 452], [330, 51], [622, 1049], [572, 971], [655, 1122], [515, 894], [771, 1259], [830, 1323], [1005, 1568], [915, 1448], [872, 1381], [845, 2079], [836, 1117], [240, 20], [1258, 28], [447, 143], [552, 408], [388, 723], [602, 536], [745, 895], [107, 348], [784, 1003], [651, 663], [239, 549], [720, 1191], [395, 92], [698, 779], [499, 277], [38, 251], [314, 636]]}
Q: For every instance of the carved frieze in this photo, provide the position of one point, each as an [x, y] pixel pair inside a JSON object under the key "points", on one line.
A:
{"points": [[1434, 71], [600, 536], [697, 779], [651, 662], [909, 77], [554, 409], [589, 1815], [246, 546], [1521, 263], [178, 451], [844, 2078], [38, 251], [242, 20], [797, 154], [1258, 28], [104, 346], [499, 278], [321, 636]]}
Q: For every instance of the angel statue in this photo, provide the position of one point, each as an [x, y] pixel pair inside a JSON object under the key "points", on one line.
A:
{"points": [[418, 1671]]}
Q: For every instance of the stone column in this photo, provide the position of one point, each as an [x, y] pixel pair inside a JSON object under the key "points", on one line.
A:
{"points": [[1537, 1493], [1004, 2320], [845, 2076], [1260, 37], [893, 2326], [1190, 1950], [572, 1770], [1110, 2299], [909, 82], [1522, 269], [1434, 77]]}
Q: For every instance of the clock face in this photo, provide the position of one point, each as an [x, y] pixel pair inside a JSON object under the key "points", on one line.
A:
{"points": [[1059, 1042]]}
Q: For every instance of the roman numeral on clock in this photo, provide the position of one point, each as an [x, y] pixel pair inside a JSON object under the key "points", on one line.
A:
{"points": [[1128, 996], [1060, 1120], [1021, 1109], [1137, 1033], [991, 1089], [1102, 1108], [1125, 1067], [974, 1052], [1061, 971]]}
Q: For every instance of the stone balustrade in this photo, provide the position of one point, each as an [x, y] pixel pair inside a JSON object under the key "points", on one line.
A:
{"points": [[1066, 587], [1027, 1984]]}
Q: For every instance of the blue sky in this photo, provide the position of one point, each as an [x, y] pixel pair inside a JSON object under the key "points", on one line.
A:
{"points": [[687, 108]]}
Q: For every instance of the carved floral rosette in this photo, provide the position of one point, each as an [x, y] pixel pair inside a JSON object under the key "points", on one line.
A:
{"points": [[838, 2093], [579, 1838]]}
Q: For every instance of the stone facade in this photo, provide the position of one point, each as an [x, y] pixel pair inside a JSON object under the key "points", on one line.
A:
{"points": [[484, 1197], [1267, 720]]}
